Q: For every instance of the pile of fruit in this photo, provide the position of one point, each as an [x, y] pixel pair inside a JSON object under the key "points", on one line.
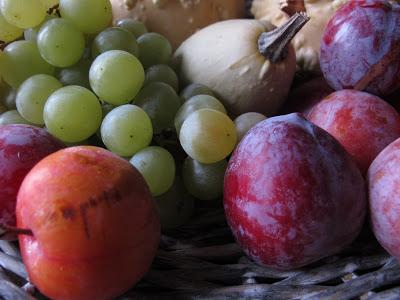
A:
{"points": [[111, 134]]}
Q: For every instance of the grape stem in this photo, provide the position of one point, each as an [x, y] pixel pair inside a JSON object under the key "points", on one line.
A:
{"points": [[273, 44], [54, 10]]}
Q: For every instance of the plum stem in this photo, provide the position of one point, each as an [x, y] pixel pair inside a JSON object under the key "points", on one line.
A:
{"points": [[14, 231], [292, 6], [273, 44]]}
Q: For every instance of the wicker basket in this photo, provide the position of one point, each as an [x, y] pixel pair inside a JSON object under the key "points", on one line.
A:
{"points": [[202, 261]]}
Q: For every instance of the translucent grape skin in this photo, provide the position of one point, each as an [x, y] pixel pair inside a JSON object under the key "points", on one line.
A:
{"points": [[195, 103], [8, 32], [60, 43], [23, 13], [114, 38], [208, 135], [160, 102], [77, 74], [194, 89], [135, 27], [12, 117], [176, 206], [33, 94], [126, 130], [157, 166], [22, 60], [204, 181], [116, 76], [245, 122], [154, 49], [30, 34], [89, 16], [162, 73], [72, 114]]}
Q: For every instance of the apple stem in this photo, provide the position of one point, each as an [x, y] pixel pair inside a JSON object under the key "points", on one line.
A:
{"points": [[14, 230]]}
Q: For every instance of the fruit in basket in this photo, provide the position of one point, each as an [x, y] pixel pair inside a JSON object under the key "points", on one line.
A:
{"points": [[95, 230], [191, 15], [372, 63], [363, 123], [383, 181], [247, 63], [292, 194], [308, 41], [21, 147], [245, 122], [23, 13]]}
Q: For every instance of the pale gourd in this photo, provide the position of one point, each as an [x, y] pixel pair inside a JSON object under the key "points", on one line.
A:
{"points": [[247, 63], [177, 19], [307, 41]]}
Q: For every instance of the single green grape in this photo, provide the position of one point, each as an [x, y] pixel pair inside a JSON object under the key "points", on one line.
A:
{"points": [[195, 89], [22, 60], [90, 16], [162, 73], [77, 74], [33, 94], [195, 103], [176, 206], [72, 113], [30, 34], [135, 27], [157, 166], [116, 76], [126, 130], [154, 49], [204, 181], [208, 135], [23, 13], [245, 122], [114, 38], [12, 117], [60, 43], [8, 32], [160, 102]]}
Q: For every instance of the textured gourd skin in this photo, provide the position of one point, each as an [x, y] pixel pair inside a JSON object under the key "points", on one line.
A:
{"points": [[178, 19], [307, 41], [225, 57]]}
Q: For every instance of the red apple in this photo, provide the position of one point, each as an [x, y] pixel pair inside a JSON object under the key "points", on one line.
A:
{"points": [[363, 123], [95, 228], [292, 194], [384, 198], [21, 147]]}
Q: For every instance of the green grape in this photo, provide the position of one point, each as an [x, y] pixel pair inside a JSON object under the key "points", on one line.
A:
{"points": [[50, 3], [157, 166], [126, 130], [77, 74], [32, 96], [72, 113], [30, 34], [90, 16], [105, 109], [114, 38], [23, 13], [204, 181], [161, 103], [12, 117], [175, 207], [162, 73], [116, 76], [245, 122], [9, 98], [22, 60], [196, 103], [135, 27], [60, 43], [154, 49], [208, 135], [195, 89], [8, 32]]}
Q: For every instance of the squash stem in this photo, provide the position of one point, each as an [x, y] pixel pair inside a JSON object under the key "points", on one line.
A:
{"points": [[273, 44]]}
